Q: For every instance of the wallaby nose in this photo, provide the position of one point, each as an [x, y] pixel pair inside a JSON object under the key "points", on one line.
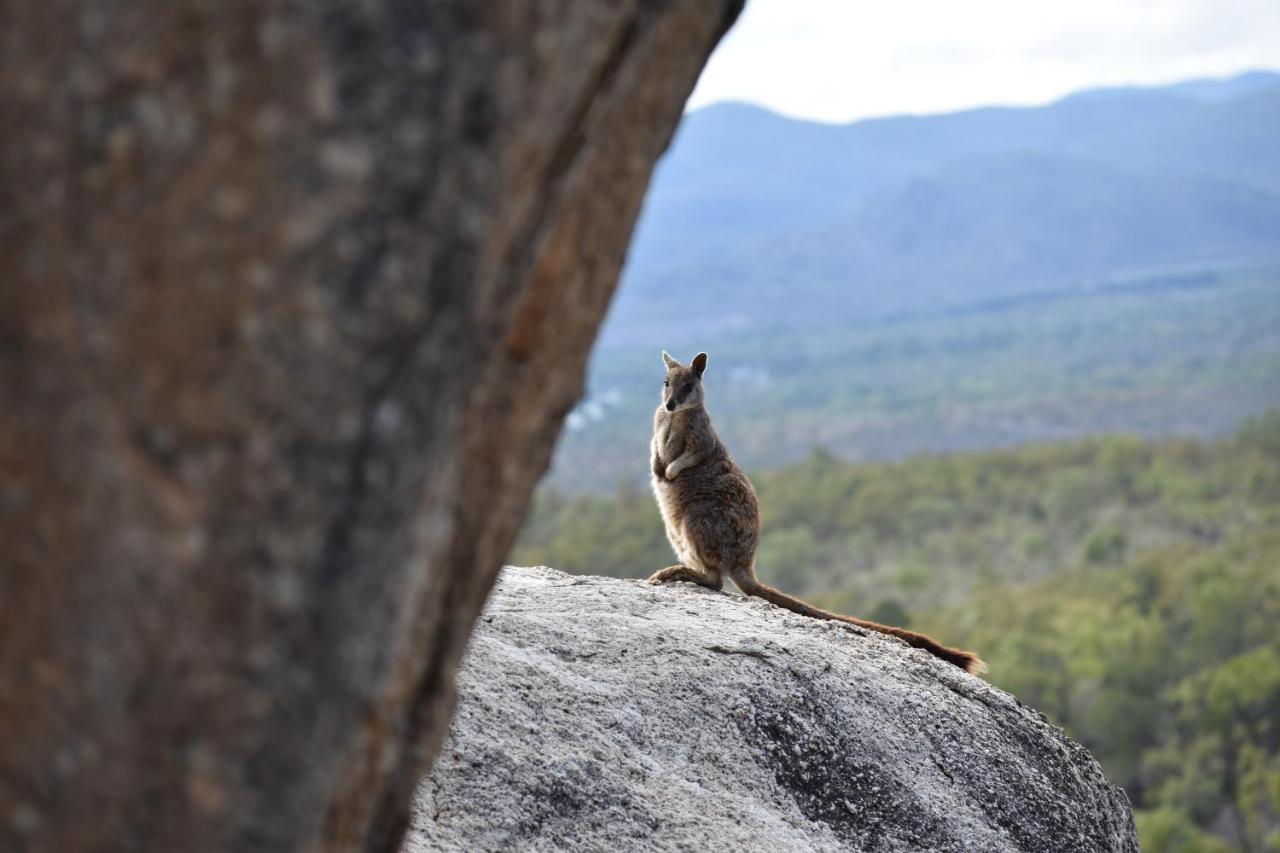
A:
{"points": [[671, 405]]}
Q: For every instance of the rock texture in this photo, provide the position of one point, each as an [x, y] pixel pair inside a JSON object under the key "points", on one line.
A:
{"points": [[293, 300], [599, 714]]}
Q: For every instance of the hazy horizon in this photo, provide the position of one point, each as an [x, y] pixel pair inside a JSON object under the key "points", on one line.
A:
{"points": [[833, 62], [1178, 81]]}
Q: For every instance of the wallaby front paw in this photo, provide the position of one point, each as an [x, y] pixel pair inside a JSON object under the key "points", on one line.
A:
{"points": [[670, 473]]}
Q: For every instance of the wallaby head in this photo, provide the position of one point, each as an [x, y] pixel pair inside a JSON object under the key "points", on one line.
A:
{"points": [[682, 388]]}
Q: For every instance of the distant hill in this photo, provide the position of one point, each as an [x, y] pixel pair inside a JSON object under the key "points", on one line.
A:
{"points": [[1107, 262], [789, 222]]}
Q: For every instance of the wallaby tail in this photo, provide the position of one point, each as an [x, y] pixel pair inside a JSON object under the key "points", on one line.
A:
{"points": [[968, 661]]}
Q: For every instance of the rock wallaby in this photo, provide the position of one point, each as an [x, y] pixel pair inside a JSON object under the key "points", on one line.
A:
{"points": [[710, 510]]}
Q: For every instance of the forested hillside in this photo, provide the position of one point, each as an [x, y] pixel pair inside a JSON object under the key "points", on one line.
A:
{"points": [[1178, 354], [1128, 589]]}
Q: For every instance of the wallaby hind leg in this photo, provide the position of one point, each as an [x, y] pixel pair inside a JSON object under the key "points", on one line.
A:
{"points": [[714, 580]]}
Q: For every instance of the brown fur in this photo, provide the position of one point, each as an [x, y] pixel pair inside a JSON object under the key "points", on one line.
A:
{"points": [[711, 513]]}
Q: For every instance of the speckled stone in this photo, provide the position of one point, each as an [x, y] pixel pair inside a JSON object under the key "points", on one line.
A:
{"points": [[602, 714]]}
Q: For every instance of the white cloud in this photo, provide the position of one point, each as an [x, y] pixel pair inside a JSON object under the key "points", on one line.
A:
{"points": [[837, 60]]}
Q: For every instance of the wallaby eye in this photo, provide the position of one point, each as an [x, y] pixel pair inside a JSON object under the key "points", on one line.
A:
{"points": [[666, 383]]}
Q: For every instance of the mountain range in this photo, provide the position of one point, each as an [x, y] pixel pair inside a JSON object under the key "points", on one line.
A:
{"points": [[763, 220], [1107, 262]]}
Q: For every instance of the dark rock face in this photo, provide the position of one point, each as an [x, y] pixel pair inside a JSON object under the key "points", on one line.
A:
{"points": [[597, 714], [293, 300]]}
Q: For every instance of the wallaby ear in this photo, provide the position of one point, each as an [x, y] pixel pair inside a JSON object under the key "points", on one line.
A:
{"points": [[699, 363], [669, 361]]}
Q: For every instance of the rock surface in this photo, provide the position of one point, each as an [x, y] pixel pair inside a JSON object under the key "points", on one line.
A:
{"points": [[599, 714], [294, 298]]}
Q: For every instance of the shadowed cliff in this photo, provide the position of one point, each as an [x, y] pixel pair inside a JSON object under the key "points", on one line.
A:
{"points": [[294, 298]]}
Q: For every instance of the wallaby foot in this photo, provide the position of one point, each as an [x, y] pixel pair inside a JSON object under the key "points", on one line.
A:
{"points": [[684, 573]]}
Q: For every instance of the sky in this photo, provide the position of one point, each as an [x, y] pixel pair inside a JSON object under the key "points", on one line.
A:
{"points": [[840, 60]]}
